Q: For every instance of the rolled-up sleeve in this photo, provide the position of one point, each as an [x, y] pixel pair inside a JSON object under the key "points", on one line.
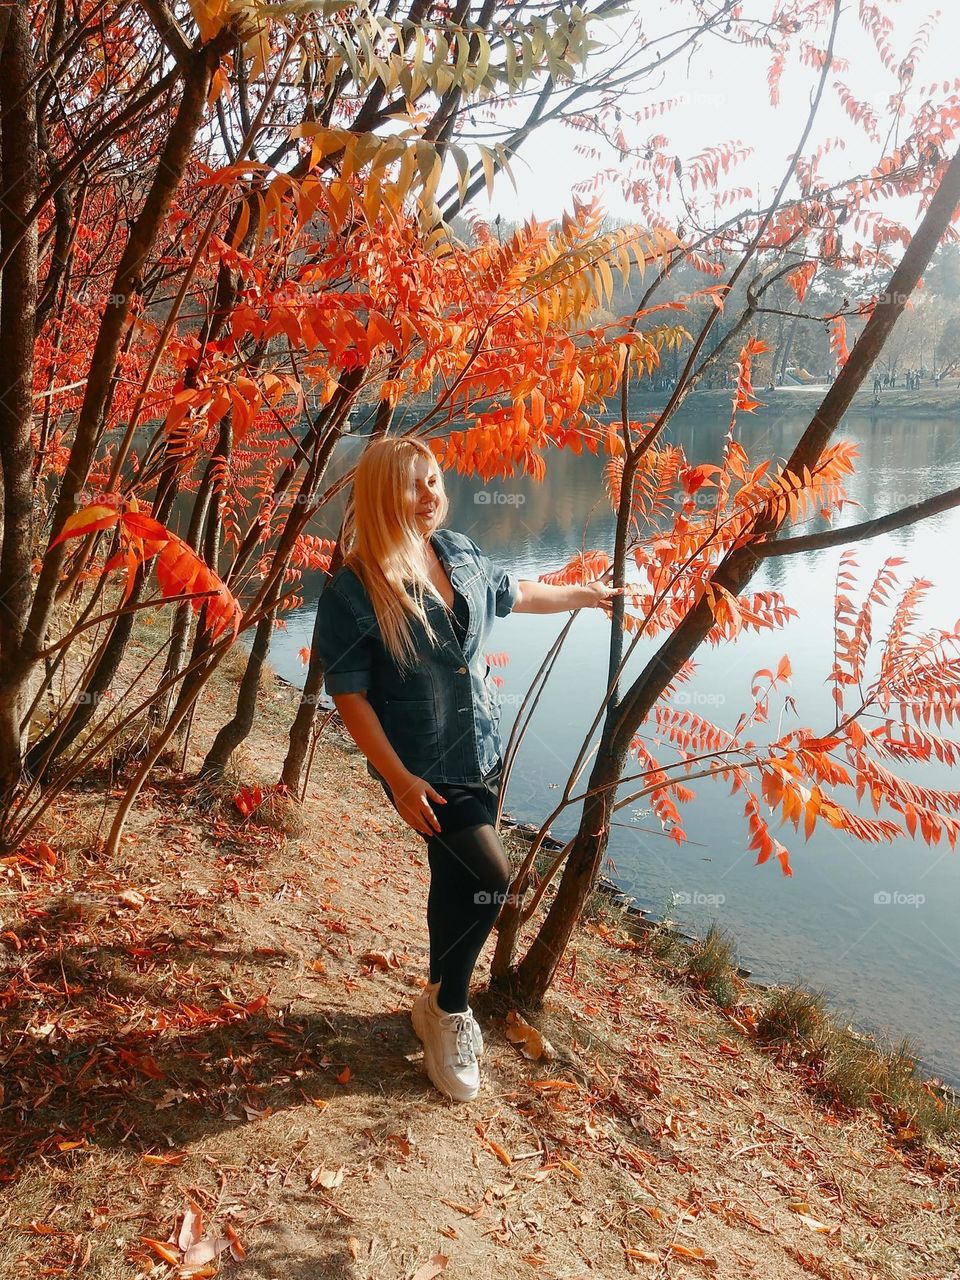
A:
{"points": [[505, 584], [347, 654]]}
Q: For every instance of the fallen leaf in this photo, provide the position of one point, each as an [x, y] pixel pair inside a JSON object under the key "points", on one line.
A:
{"points": [[237, 1251], [191, 1229], [162, 1250], [328, 1178], [205, 1251], [642, 1255], [432, 1268], [815, 1225], [502, 1155], [531, 1043], [694, 1254], [474, 1212]]}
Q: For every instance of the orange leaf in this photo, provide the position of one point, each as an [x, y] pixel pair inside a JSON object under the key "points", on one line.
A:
{"points": [[695, 1254], [237, 1250], [163, 1250], [88, 520], [151, 533], [177, 568]]}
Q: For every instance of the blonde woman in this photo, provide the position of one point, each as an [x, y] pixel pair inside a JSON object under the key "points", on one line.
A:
{"points": [[402, 628]]}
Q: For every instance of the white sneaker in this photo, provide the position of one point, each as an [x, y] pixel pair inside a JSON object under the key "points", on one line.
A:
{"points": [[416, 1017], [448, 1052]]}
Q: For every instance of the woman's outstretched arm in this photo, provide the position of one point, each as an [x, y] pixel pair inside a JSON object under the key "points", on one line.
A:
{"points": [[543, 597]]}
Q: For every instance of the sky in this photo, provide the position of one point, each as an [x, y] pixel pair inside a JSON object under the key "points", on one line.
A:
{"points": [[726, 98]]}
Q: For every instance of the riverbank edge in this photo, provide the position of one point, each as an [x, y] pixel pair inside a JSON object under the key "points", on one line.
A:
{"points": [[896, 403]]}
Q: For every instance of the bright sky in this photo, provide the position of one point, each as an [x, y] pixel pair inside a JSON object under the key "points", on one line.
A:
{"points": [[726, 99]]}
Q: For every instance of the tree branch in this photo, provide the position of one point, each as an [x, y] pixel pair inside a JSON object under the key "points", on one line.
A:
{"points": [[916, 512]]}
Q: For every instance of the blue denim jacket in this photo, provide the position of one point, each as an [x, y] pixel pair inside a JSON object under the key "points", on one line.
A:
{"points": [[441, 716]]}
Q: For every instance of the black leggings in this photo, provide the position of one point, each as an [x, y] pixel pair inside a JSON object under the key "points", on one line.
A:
{"points": [[469, 876]]}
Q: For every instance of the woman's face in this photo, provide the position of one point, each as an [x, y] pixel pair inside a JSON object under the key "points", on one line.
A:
{"points": [[426, 494]]}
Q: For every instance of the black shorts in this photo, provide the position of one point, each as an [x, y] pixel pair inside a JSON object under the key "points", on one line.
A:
{"points": [[469, 804]]}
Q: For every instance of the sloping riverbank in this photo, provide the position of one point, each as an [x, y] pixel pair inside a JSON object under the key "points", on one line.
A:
{"points": [[219, 1018]]}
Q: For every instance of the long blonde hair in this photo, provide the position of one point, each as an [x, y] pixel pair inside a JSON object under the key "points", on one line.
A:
{"points": [[383, 544]]}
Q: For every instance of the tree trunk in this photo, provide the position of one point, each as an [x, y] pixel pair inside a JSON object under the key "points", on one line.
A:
{"points": [[301, 730], [788, 347], [18, 302], [238, 727], [534, 974]]}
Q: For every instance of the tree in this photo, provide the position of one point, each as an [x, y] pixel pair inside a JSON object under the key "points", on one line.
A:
{"points": [[182, 277]]}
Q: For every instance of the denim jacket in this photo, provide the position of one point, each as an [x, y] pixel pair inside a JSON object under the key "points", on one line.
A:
{"points": [[441, 716]]}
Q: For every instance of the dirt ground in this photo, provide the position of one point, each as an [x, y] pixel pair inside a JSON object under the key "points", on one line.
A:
{"points": [[208, 1068]]}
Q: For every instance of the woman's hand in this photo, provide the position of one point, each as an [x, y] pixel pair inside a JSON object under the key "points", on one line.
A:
{"points": [[598, 595], [411, 799]]}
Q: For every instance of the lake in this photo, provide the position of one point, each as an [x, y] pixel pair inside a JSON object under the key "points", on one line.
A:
{"points": [[874, 926]]}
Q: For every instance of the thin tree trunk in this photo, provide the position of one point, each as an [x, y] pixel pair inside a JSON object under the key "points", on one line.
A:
{"points": [[301, 731], [167, 178], [18, 303], [238, 727], [788, 347]]}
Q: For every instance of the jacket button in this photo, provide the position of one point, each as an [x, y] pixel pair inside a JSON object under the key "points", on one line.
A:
{"points": [[461, 671]]}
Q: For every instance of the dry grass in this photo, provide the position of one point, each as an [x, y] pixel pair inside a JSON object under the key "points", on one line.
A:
{"points": [[792, 1016], [712, 965]]}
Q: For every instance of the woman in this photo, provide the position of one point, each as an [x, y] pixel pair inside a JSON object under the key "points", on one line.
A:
{"points": [[401, 632]]}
